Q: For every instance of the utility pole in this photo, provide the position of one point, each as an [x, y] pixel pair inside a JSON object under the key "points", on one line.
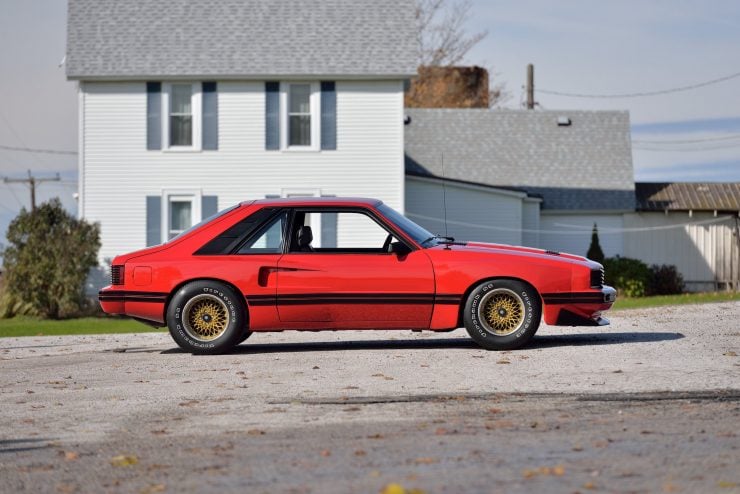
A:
{"points": [[530, 87], [32, 183]]}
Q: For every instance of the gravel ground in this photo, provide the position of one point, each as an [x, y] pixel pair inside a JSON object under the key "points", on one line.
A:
{"points": [[648, 404]]}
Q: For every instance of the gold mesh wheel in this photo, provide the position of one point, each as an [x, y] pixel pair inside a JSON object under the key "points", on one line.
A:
{"points": [[205, 317], [501, 311]]}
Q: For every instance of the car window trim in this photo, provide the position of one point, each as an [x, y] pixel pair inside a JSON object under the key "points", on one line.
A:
{"points": [[381, 221]]}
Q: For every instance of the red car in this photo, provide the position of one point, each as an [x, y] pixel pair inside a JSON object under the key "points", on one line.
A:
{"points": [[338, 263]]}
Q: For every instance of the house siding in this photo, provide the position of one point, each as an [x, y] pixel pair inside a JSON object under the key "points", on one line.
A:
{"points": [[473, 213], [704, 248], [119, 172]]}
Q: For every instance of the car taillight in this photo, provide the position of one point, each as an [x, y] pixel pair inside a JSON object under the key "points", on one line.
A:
{"points": [[597, 278], [116, 275]]}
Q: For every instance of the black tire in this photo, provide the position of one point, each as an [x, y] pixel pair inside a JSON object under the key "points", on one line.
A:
{"points": [[502, 314], [207, 317]]}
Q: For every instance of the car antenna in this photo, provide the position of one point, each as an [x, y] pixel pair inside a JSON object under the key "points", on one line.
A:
{"points": [[444, 198]]}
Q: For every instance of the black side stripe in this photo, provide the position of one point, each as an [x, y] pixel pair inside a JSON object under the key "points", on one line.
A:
{"points": [[132, 296], [573, 298], [354, 298]]}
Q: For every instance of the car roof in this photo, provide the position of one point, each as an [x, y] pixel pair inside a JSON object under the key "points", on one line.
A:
{"points": [[316, 201]]}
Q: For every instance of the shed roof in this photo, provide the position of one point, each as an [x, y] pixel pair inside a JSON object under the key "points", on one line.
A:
{"points": [[688, 196], [135, 39], [584, 165]]}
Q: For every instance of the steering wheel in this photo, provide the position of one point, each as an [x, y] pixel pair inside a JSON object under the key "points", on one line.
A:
{"points": [[387, 243]]}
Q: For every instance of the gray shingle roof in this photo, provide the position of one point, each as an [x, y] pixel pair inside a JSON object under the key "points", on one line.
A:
{"points": [[586, 165], [688, 196], [115, 39]]}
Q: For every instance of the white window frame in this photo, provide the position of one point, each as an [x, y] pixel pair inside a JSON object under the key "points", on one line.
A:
{"points": [[194, 196], [197, 112], [315, 102]]}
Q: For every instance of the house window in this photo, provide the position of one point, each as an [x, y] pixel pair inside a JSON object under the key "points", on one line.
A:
{"points": [[182, 125], [180, 216], [301, 115]]}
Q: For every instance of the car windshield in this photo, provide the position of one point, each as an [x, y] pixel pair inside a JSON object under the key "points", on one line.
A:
{"points": [[419, 234], [210, 218]]}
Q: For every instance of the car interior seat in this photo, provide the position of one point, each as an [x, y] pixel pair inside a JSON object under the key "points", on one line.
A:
{"points": [[305, 237]]}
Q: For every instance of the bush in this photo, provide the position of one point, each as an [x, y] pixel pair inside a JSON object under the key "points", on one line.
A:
{"points": [[630, 277], [594, 250], [47, 260], [665, 280]]}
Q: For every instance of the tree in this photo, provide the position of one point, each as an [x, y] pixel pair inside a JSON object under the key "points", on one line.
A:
{"points": [[444, 41], [594, 250], [46, 262]]}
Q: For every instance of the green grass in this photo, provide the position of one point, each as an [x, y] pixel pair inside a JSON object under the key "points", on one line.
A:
{"points": [[683, 299], [28, 326]]}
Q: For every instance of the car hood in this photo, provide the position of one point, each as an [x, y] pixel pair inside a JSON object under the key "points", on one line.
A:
{"points": [[518, 250]]}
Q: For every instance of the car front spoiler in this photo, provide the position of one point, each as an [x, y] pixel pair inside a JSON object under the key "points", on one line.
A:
{"points": [[568, 318]]}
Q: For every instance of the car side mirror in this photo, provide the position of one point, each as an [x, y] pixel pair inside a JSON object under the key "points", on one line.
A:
{"points": [[400, 249]]}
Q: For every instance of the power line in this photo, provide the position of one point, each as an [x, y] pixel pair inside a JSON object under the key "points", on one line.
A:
{"points": [[32, 183], [38, 150], [643, 93]]}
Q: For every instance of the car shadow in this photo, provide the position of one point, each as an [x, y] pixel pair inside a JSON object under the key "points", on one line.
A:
{"points": [[21, 445], [545, 341]]}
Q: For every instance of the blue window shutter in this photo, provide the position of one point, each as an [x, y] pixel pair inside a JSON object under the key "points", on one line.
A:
{"points": [[154, 115], [210, 116], [153, 220], [328, 115], [208, 206], [272, 116]]}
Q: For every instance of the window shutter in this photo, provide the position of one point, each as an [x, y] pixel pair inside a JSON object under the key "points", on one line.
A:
{"points": [[208, 206], [272, 116], [210, 116], [153, 220], [154, 115], [328, 115]]}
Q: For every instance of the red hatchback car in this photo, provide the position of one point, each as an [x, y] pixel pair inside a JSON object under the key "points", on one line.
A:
{"points": [[340, 263]]}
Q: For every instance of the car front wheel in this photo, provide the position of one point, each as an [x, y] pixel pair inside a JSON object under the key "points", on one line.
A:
{"points": [[502, 314], [207, 317]]}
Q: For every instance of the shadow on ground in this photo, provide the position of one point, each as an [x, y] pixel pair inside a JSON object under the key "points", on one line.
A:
{"points": [[588, 339]]}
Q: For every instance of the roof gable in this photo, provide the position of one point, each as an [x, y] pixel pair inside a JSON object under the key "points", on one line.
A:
{"points": [[586, 164], [137, 39]]}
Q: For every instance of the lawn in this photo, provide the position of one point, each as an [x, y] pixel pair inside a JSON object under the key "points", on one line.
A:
{"points": [[683, 299], [28, 326]]}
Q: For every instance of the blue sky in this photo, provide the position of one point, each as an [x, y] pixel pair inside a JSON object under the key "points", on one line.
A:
{"points": [[581, 46]]}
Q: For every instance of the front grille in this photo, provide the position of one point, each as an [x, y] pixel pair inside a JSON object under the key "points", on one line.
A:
{"points": [[597, 278], [116, 275]]}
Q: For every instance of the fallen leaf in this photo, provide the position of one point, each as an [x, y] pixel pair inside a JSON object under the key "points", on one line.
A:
{"points": [[152, 489], [730, 354], [503, 362], [723, 484], [71, 455], [351, 409], [189, 403], [124, 460], [393, 489], [325, 453], [376, 436], [256, 432], [589, 485], [360, 452], [494, 410], [426, 460]]}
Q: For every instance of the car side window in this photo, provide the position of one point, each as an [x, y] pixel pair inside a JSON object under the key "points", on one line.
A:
{"points": [[268, 239], [338, 232]]}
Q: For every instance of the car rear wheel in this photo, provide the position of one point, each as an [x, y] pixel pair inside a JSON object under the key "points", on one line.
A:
{"points": [[207, 317], [502, 314]]}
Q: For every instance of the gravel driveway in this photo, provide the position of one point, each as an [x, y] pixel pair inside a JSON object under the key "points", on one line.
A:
{"points": [[649, 403]]}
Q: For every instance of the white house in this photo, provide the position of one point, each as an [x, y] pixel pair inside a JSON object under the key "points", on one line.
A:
{"points": [[189, 107]]}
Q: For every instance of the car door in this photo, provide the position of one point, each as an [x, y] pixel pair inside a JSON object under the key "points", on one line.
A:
{"points": [[347, 277]]}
